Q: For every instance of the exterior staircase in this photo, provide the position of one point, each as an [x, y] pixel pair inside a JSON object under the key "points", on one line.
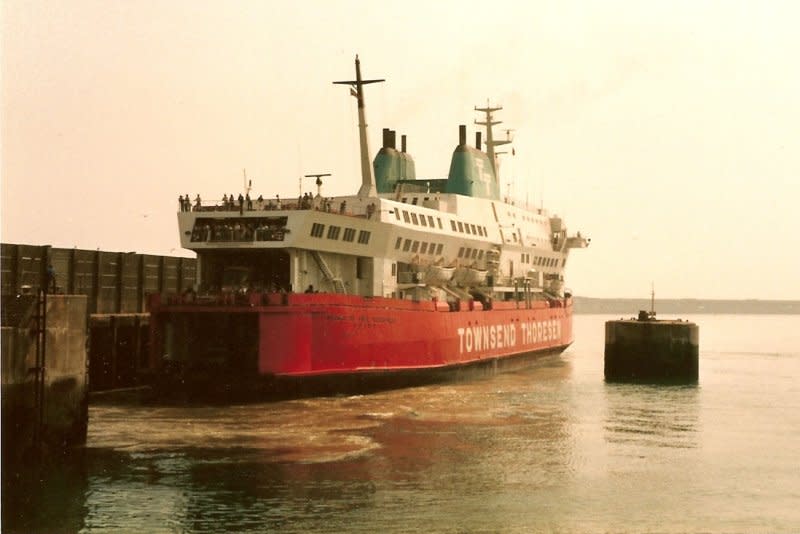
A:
{"points": [[337, 283]]}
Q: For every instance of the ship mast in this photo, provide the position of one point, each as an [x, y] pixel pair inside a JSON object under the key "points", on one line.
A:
{"points": [[490, 140], [368, 188]]}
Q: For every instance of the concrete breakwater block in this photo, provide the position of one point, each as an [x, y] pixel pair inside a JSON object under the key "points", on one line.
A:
{"points": [[44, 385], [649, 349]]}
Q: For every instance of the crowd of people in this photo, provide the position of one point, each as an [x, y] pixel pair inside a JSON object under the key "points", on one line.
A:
{"points": [[185, 203], [244, 203], [246, 230]]}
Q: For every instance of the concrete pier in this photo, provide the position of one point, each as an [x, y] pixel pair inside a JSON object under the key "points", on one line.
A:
{"points": [[649, 349], [44, 377]]}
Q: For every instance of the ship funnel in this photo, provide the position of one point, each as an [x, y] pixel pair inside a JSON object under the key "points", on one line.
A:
{"points": [[402, 143], [462, 135], [478, 140], [386, 138], [392, 139]]}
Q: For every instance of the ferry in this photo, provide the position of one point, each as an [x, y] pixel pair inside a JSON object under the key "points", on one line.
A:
{"points": [[409, 281]]}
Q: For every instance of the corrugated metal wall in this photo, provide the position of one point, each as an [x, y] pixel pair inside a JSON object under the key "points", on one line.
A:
{"points": [[115, 282]]}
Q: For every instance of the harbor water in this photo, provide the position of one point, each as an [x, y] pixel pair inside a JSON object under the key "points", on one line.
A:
{"points": [[550, 449]]}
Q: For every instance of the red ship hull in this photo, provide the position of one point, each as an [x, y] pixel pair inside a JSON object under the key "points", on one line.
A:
{"points": [[327, 343]]}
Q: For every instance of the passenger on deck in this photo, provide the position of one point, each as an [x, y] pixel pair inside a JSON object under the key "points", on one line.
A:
{"points": [[370, 210], [241, 204], [278, 201], [197, 202], [248, 201], [181, 204], [310, 289], [342, 206]]}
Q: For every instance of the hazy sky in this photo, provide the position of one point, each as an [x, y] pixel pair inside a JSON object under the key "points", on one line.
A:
{"points": [[669, 131]]}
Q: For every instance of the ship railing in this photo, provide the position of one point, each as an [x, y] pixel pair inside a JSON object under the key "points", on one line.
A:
{"points": [[366, 211]]}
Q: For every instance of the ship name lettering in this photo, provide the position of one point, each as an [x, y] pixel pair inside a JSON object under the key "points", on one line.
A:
{"points": [[539, 331], [489, 337]]}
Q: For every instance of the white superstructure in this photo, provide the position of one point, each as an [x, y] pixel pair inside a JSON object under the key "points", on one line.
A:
{"points": [[407, 243]]}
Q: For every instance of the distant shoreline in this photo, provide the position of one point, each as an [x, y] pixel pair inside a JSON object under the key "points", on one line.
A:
{"points": [[589, 305]]}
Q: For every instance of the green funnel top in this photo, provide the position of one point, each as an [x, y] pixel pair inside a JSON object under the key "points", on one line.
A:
{"points": [[472, 174]]}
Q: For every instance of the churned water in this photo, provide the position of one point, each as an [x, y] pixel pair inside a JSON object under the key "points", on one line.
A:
{"points": [[551, 449]]}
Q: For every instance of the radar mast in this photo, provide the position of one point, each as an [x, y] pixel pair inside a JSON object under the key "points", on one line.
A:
{"points": [[368, 188], [491, 142]]}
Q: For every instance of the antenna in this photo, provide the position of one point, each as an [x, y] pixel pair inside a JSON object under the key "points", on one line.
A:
{"points": [[248, 184], [652, 300]]}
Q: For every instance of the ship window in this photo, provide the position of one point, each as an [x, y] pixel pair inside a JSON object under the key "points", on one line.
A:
{"points": [[563, 262], [424, 248], [317, 229], [430, 222], [414, 218], [432, 248], [349, 234], [407, 245], [523, 258], [474, 230], [439, 249], [398, 242], [460, 227], [406, 218], [453, 225], [439, 220], [363, 237], [480, 254], [414, 200], [422, 220], [466, 228], [405, 199], [414, 246], [484, 231], [333, 232], [461, 252], [394, 269], [397, 213], [474, 253]]}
